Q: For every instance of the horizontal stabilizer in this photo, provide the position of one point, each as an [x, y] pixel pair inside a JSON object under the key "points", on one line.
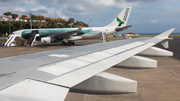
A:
{"points": [[122, 28], [138, 62], [31, 90], [106, 83], [154, 51]]}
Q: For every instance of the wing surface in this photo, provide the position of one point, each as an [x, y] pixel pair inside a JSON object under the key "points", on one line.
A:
{"points": [[30, 77], [67, 34]]}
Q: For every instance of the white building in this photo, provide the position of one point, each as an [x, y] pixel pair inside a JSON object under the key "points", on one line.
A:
{"points": [[4, 18]]}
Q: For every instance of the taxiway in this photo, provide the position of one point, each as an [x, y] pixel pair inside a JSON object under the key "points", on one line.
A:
{"points": [[159, 84]]}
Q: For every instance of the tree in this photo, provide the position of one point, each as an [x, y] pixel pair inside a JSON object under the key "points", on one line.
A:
{"points": [[71, 20], [27, 25], [1, 29], [53, 20], [14, 15], [40, 17], [80, 23], [33, 17], [17, 25], [7, 13], [6, 29], [47, 19], [63, 21], [59, 19], [13, 28], [23, 17]]}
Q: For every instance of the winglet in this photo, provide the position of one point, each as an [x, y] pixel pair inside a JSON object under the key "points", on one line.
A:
{"points": [[165, 34]]}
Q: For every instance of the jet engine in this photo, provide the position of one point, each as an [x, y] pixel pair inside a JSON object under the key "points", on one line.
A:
{"points": [[46, 40]]}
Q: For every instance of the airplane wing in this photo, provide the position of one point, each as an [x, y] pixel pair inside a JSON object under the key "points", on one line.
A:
{"points": [[48, 76], [67, 34]]}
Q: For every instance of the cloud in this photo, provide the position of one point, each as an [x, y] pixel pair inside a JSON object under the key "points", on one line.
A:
{"points": [[154, 21], [144, 12], [48, 12], [20, 10], [5, 0], [141, 0], [41, 9], [63, 8]]}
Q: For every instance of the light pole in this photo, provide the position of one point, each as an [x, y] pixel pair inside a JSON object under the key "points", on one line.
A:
{"points": [[71, 23], [90, 22], [9, 25], [30, 19]]}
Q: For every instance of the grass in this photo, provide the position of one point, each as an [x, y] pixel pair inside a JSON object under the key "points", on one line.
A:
{"points": [[2, 40], [174, 36]]}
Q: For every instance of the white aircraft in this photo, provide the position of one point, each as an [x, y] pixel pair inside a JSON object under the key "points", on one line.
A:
{"points": [[68, 35], [48, 76]]}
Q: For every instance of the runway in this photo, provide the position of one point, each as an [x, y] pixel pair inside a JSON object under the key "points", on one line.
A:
{"points": [[159, 84]]}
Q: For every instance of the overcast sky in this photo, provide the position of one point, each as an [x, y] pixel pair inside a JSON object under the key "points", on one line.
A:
{"points": [[147, 16]]}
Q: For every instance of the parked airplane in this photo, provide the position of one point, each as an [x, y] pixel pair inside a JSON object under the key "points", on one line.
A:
{"points": [[68, 35], [48, 76]]}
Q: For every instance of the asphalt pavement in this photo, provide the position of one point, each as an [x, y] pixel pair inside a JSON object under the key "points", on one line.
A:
{"points": [[158, 84]]}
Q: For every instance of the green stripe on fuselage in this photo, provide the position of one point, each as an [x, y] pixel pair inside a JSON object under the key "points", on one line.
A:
{"points": [[48, 32], [89, 31]]}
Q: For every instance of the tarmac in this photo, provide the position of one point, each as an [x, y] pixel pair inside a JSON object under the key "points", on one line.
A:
{"points": [[158, 84]]}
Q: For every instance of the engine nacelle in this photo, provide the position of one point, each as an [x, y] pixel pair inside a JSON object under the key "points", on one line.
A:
{"points": [[46, 40]]}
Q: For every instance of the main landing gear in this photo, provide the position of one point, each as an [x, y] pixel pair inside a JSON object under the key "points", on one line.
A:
{"points": [[69, 43]]}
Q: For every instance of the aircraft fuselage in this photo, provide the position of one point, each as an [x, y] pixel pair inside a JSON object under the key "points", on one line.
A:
{"points": [[85, 33]]}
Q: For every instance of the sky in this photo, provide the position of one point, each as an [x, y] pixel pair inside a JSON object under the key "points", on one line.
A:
{"points": [[147, 16]]}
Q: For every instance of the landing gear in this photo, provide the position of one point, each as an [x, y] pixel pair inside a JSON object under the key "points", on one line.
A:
{"points": [[69, 43], [72, 43], [64, 43], [22, 43]]}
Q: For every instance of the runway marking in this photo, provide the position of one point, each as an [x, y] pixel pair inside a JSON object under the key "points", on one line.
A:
{"points": [[84, 97], [20, 48], [168, 60], [170, 73], [32, 48], [59, 55]]}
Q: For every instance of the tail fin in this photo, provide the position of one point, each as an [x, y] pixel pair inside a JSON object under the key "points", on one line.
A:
{"points": [[121, 19]]}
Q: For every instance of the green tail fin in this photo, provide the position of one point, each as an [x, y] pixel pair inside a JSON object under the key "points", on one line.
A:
{"points": [[119, 21]]}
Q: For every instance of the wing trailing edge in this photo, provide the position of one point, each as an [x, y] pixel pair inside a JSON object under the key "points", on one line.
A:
{"points": [[32, 90]]}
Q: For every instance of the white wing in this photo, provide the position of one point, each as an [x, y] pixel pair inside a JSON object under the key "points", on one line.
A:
{"points": [[48, 76]]}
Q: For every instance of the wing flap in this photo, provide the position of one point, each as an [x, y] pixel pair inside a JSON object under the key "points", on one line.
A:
{"points": [[32, 90], [69, 67], [77, 76]]}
